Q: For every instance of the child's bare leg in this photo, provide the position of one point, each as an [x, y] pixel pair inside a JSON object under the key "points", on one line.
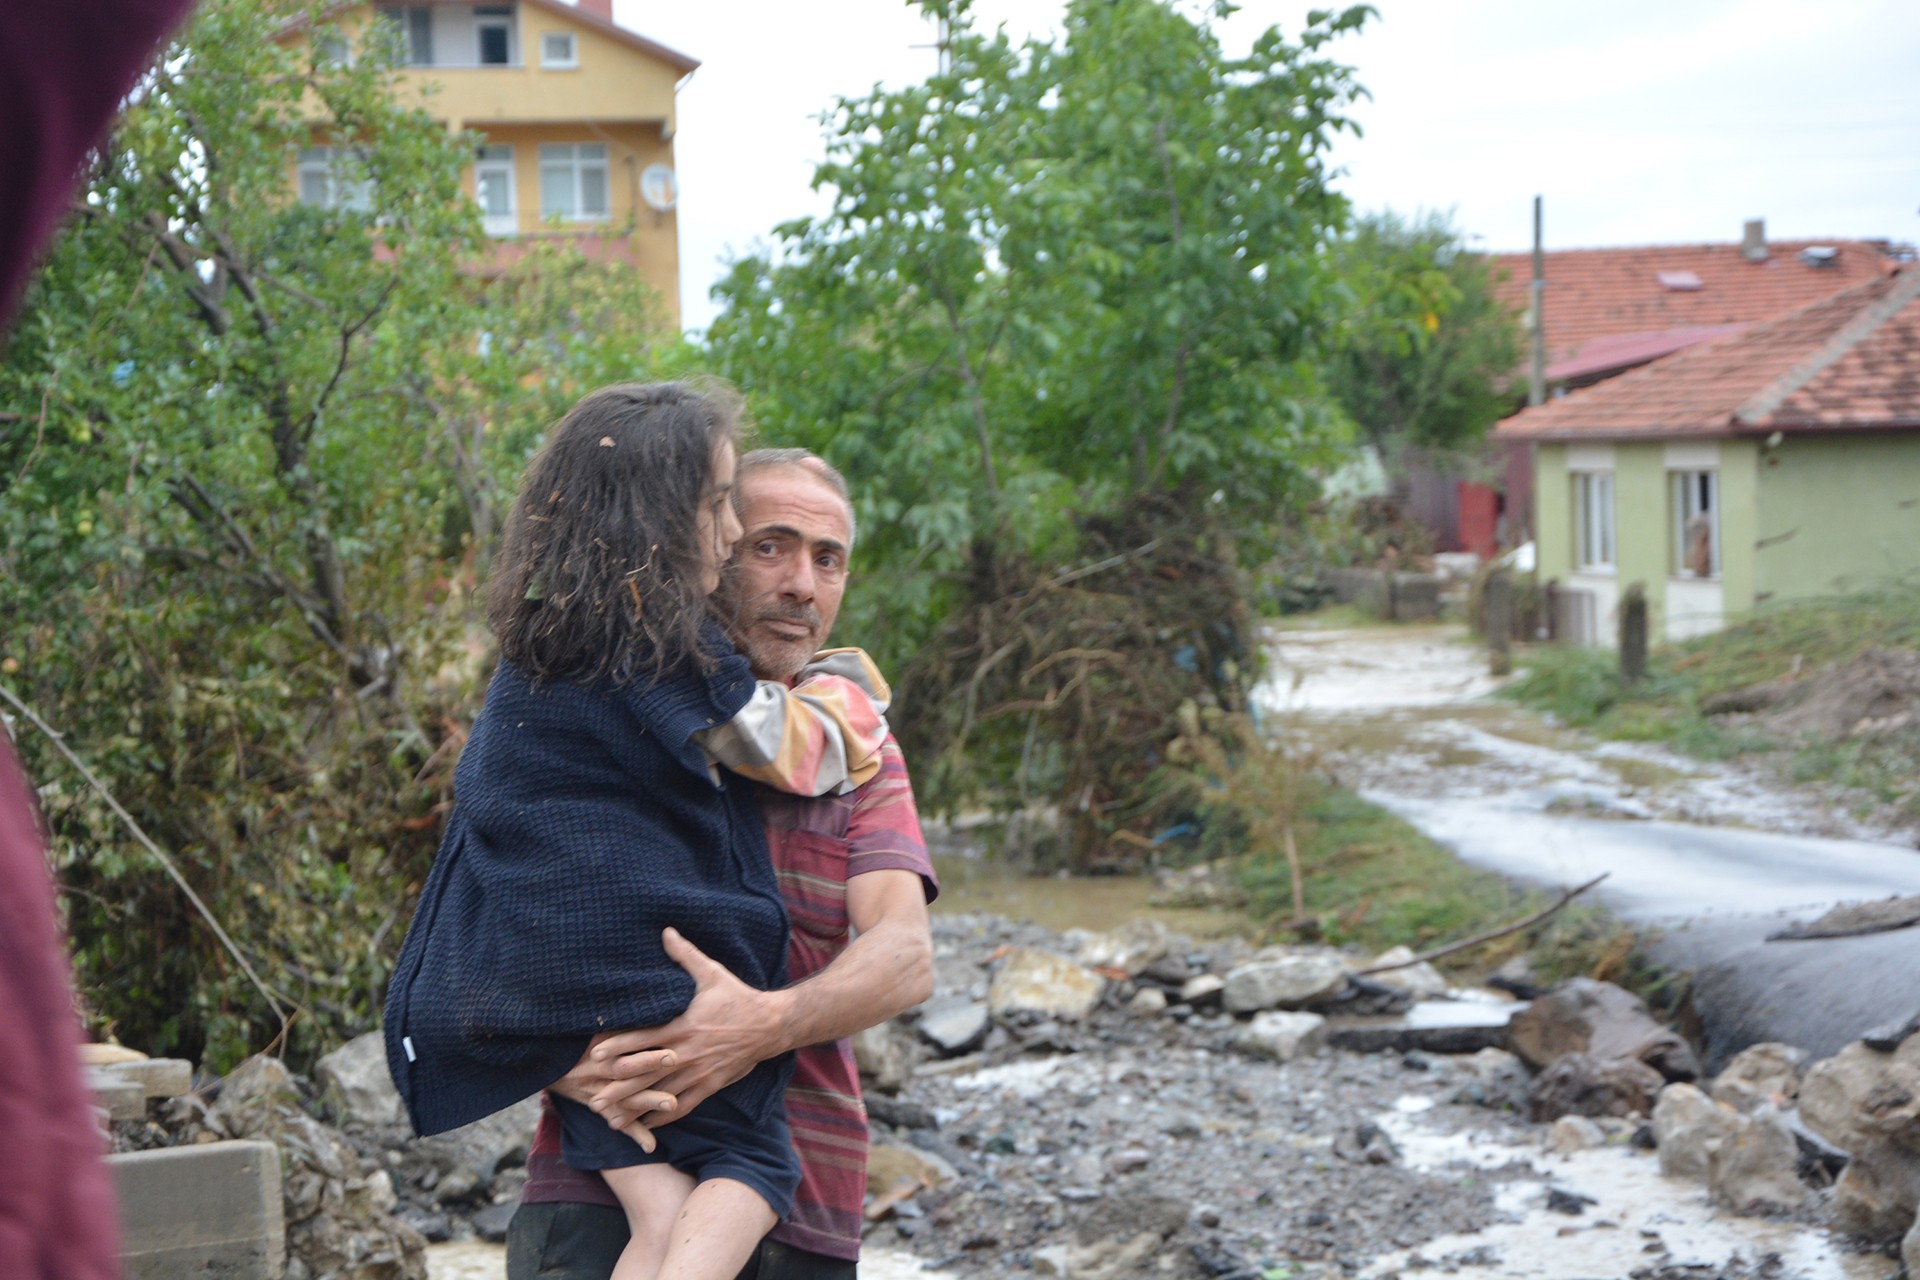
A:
{"points": [[719, 1227], [652, 1196]]}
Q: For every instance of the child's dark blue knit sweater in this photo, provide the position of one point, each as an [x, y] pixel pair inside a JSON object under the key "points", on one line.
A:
{"points": [[584, 822]]}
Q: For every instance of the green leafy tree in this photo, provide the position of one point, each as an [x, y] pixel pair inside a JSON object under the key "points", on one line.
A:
{"points": [[251, 452], [1426, 352], [1068, 304]]}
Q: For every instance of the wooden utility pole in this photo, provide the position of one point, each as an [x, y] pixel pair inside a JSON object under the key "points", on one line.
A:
{"points": [[1497, 622], [1537, 383]]}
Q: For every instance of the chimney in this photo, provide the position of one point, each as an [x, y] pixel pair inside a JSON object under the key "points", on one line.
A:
{"points": [[602, 9], [1753, 240]]}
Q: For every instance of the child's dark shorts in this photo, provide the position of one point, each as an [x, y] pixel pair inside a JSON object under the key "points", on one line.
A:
{"points": [[716, 1140]]}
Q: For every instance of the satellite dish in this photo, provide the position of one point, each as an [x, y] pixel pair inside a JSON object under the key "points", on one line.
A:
{"points": [[659, 188]]}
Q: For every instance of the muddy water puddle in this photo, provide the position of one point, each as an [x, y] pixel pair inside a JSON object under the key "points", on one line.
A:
{"points": [[971, 883], [1631, 1218]]}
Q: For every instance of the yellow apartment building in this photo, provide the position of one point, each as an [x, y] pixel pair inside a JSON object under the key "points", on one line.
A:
{"points": [[576, 117]]}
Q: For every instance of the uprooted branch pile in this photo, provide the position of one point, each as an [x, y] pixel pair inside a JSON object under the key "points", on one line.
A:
{"points": [[1068, 684]]}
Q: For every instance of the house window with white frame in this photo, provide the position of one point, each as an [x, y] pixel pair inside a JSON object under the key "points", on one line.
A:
{"points": [[559, 51], [330, 178], [1593, 525], [573, 181], [1696, 523], [493, 188]]}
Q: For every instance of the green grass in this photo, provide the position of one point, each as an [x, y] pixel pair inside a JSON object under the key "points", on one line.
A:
{"points": [[1582, 688], [1373, 881]]}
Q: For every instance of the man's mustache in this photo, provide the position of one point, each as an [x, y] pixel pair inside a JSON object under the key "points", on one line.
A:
{"points": [[797, 612]]}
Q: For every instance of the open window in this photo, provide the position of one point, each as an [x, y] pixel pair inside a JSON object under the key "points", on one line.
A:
{"points": [[1695, 506]]}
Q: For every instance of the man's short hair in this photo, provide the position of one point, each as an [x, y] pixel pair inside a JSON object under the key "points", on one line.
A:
{"points": [[805, 459]]}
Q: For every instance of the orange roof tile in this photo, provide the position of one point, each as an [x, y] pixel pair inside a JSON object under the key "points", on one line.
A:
{"points": [[1848, 362], [1602, 293]]}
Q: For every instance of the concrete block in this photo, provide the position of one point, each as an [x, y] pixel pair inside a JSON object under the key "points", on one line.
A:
{"points": [[121, 1098], [211, 1211], [157, 1077]]}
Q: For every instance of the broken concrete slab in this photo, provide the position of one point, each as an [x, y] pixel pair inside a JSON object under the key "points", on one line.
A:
{"points": [[1432, 1026], [156, 1077], [211, 1210], [120, 1098]]}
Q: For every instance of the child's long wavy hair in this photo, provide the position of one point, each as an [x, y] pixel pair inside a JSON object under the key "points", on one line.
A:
{"points": [[598, 576]]}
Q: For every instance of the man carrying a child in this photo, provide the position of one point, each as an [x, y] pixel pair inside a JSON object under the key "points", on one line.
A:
{"points": [[856, 879]]}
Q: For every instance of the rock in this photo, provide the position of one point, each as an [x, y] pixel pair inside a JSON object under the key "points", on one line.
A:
{"points": [[1282, 1036], [1035, 981], [1574, 1133], [901, 1115], [104, 1055], [1169, 970], [1578, 1084], [1129, 1160], [1496, 1078], [1438, 1026], [1421, 981], [1889, 1036], [1052, 1261], [1867, 1103], [954, 1025], [480, 1148], [1203, 988], [1148, 1002], [889, 1164], [491, 1222], [1131, 948], [1285, 980], [1365, 1144], [1602, 1021], [885, 1056], [1688, 1126], [1762, 1075], [1910, 1251], [339, 1220], [358, 1085], [1122, 1215], [1752, 1170]]}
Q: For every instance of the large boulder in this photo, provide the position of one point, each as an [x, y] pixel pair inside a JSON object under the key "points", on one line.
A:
{"points": [[1282, 1036], [1284, 981], [885, 1055], [1601, 1021], [1867, 1102], [357, 1084], [1752, 1170], [1762, 1075], [1688, 1127], [1039, 982], [1416, 978], [1133, 948], [1578, 1084]]}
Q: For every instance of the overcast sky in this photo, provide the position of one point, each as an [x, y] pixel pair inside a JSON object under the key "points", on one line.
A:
{"points": [[1639, 121]]}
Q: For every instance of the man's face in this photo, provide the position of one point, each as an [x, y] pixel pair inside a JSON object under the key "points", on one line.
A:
{"points": [[790, 568]]}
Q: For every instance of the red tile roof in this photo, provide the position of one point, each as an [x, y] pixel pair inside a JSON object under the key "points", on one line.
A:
{"points": [[1849, 362], [1625, 350], [1604, 293]]}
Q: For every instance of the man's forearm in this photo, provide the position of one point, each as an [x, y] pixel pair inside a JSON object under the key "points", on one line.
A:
{"points": [[883, 973]]}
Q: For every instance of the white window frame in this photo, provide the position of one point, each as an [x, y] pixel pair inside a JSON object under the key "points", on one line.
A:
{"points": [[1594, 529], [495, 163], [339, 187], [1694, 492], [490, 18], [569, 61], [569, 162]]}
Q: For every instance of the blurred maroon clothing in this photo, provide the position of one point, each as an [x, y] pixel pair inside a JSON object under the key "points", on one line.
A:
{"points": [[57, 1218], [64, 66]]}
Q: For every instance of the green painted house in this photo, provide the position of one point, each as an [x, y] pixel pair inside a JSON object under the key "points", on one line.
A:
{"points": [[1780, 463]]}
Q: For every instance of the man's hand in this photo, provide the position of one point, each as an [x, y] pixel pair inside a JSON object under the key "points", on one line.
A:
{"points": [[728, 1029], [620, 1100]]}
